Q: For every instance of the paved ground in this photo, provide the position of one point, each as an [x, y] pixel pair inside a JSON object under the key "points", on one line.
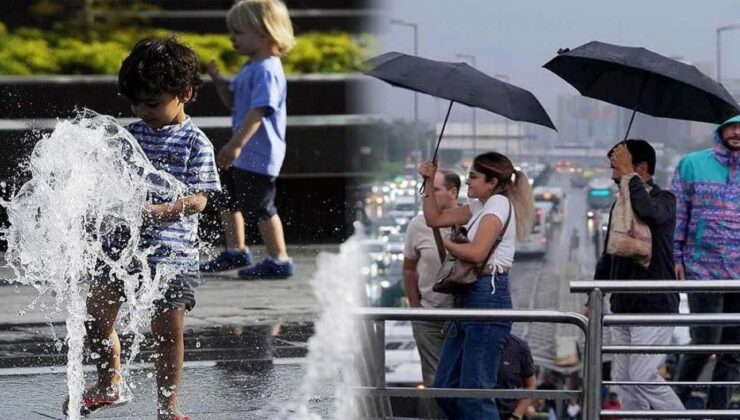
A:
{"points": [[221, 300], [250, 333]]}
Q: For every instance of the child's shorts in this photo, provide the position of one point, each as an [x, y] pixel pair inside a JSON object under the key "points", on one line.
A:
{"points": [[180, 291], [254, 194], [225, 200]]}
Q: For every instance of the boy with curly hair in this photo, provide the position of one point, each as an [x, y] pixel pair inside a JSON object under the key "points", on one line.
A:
{"points": [[158, 78]]}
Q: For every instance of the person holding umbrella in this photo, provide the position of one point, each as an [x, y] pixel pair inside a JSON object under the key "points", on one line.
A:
{"points": [[635, 161], [501, 205]]}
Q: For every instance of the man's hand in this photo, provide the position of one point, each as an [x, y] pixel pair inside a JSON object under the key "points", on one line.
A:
{"points": [[227, 155], [586, 311], [622, 161], [428, 169], [680, 272]]}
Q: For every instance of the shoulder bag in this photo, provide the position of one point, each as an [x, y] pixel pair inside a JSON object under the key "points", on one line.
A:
{"points": [[456, 274]]}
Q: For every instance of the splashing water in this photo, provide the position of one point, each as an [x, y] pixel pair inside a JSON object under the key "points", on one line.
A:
{"points": [[89, 182], [339, 288]]}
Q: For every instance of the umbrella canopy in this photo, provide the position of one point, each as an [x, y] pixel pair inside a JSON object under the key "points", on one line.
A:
{"points": [[644, 81], [461, 83]]}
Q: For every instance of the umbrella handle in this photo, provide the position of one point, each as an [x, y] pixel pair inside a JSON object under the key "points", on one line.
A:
{"points": [[436, 149]]}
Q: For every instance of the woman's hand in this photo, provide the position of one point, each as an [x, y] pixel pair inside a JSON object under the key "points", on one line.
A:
{"points": [[446, 241], [428, 169]]}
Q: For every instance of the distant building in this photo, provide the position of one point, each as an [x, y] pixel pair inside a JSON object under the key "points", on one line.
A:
{"points": [[586, 121], [459, 142]]}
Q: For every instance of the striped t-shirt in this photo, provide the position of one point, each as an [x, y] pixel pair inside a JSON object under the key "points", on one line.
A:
{"points": [[185, 152]]}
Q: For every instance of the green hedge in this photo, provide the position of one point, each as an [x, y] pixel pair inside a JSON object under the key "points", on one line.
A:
{"points": [[30, 51]]}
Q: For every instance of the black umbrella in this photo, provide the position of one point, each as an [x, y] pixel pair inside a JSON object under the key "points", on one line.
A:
{"points": [[458, 82], [644, 81]]}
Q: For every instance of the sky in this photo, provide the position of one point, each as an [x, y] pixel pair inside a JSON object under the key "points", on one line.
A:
{"points": [[516, 37]]}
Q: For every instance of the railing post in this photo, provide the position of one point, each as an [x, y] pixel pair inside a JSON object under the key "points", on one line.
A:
{"points": [[379, 354], [592, 384]]}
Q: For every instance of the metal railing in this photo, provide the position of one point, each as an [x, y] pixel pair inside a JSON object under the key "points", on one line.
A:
{"points": [[378, 388], [592, 376], [592, 380]]}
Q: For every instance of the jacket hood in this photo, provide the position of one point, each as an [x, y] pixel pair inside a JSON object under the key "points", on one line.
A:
{"points": [[720, 151]]}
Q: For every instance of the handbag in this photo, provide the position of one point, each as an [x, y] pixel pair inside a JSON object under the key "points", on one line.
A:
{"points": [[628, 235], [456, 274]]}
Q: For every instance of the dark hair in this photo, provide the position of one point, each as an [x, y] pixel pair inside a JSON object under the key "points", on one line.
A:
{"points": [[451, 180], [157, 65], [641, 151]]}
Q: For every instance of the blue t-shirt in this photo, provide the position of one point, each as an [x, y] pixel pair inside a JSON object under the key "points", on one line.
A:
{"points": [[185, 152], [261, 84]]}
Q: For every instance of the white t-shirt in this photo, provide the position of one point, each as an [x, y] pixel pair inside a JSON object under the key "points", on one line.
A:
{"points": [[498, 205], [420, 246]]}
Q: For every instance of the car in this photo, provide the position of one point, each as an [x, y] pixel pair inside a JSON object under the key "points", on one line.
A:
{"points": [[402, 210], [377, 251], [536, 241], [601, 193], [396, 243], [392, 293], [387, 225], [547, 207], [556, 197]]}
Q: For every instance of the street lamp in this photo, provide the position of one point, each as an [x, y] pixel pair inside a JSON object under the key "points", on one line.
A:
{"points": [[416, 95], [505, 78], [472, 59], [719, 49], [416, 99]]}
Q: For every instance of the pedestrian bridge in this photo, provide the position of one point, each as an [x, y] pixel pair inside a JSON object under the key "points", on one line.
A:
{"points": [[374, 396]]}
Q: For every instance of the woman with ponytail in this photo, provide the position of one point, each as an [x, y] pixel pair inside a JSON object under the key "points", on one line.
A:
{"points": [[470, 354]]}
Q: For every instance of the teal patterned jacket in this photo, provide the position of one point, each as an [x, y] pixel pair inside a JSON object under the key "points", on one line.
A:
{"points": [[707, 189]]}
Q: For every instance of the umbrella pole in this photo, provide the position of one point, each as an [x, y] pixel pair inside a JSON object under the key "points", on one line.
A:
{"points": [[436, 149], [634, 111], [442, 131]]}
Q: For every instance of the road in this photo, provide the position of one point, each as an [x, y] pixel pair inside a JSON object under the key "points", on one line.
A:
{"points": [[543, 283]]}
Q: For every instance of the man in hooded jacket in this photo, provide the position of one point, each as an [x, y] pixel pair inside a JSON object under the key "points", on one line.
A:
{"points": [[707, 247]]}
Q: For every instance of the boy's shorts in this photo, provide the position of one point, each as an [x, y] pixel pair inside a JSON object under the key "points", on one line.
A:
{"points": [[225, 200], [254, 194], [180, 291]]}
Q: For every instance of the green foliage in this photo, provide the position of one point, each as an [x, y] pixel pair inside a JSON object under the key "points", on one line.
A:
{"points": [[326, 53], [31, 51]]}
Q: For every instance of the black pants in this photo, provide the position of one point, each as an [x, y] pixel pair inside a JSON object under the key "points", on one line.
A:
{"points": [[728, 364]]}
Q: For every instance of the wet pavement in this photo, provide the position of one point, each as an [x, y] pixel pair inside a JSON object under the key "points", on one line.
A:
{"points": [[209, 391], [245, 342]]}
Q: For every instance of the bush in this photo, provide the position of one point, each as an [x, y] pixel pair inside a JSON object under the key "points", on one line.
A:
{"points": [[31, 51]]}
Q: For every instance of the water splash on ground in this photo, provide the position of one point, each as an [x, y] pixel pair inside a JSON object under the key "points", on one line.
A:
{"points": [[89, 182], [339, 288]]}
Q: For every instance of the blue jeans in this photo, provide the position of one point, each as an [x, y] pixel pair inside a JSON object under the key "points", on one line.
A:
{"points": [[471, 351]]}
